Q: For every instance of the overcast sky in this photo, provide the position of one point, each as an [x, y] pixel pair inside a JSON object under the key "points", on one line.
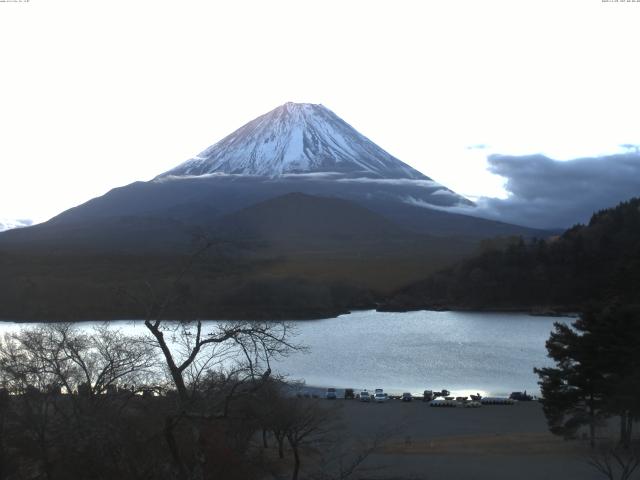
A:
{"points": [[98, 94]]}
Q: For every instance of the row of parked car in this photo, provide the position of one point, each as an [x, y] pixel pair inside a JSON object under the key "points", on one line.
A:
{"points": [[436, 398], [380, 396]]}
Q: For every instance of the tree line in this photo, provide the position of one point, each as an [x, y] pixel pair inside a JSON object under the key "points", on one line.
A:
{"points": [[599, 261]]}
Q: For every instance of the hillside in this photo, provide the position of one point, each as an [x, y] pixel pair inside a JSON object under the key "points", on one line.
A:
{"points": [[295, 256], [587, 263]]}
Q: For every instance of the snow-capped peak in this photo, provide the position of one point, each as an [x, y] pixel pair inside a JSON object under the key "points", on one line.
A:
{"points": [[296, 138]]}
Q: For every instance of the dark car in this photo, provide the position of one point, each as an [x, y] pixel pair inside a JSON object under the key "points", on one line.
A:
{"points": [[520, 396], [407, 397], [348, 394]]}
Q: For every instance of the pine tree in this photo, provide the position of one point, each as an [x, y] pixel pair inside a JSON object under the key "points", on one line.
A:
{"points": [[572, 392], [597, 372]]}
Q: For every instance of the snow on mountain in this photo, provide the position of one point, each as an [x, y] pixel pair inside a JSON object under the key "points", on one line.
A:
{"points": [[6, 224], [296, 138]]}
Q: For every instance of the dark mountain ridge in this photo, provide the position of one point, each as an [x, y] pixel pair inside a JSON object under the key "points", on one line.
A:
{"points": [[178, 207], [294, 256]]}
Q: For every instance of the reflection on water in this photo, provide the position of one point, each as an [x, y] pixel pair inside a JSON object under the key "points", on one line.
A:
{"points": [[488, 353]]}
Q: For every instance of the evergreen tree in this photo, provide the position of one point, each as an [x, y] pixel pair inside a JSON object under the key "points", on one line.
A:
{"points": [[597, 372], [616, 329], [572, 392]]}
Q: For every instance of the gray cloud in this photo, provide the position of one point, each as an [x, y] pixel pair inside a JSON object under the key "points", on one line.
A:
{"points": [[394, 181], [311, 175], [6, 224], [445, 192], [547, 193]]}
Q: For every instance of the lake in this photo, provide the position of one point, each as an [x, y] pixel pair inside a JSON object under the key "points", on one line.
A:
{"points": [[465, 352]]}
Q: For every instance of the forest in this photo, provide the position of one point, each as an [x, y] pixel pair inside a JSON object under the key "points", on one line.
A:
{"points": [[597, 262]]}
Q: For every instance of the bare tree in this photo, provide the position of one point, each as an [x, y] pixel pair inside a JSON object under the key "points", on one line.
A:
{"points": [[61, 356], [63, 414], [238, 352], [306, 421]]}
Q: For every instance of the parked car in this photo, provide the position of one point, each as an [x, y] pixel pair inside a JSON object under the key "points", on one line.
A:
{"points": [[427, 396], [380, 397], [407, 397], [364, 396], [331, 394], [348, 394], [443, 393], [520, 396]]}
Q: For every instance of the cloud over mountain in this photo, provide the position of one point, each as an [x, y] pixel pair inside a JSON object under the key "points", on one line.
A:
{"points": [[547, 193], [6, 224]]}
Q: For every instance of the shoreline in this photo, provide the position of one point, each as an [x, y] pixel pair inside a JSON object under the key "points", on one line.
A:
{"points": [[569, 313], [466, 353]]}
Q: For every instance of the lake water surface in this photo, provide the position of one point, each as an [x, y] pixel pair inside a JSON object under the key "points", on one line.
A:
{"points": [[465, 352]]}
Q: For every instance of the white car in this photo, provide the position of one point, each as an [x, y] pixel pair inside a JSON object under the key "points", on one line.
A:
{"points": [[380, 397], [364, 396]]}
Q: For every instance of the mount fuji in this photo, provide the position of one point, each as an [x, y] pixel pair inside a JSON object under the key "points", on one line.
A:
{"points": [[295, 148], [308, 218]]}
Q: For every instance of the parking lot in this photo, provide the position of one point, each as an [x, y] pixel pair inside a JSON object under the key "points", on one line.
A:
{"points": [[493, 441]]}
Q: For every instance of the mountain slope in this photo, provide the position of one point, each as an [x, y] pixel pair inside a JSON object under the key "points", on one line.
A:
{"points": [[294, 256], [306, 218]]}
